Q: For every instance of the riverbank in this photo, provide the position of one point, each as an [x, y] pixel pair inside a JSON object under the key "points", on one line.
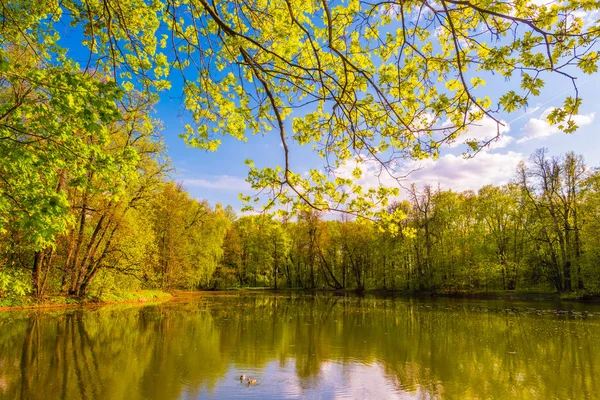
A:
{"points": [[143, 296], [529, 295], [135, 296]]}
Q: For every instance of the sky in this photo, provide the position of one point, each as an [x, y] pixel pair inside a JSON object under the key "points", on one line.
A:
{"points": [[220, 176]]}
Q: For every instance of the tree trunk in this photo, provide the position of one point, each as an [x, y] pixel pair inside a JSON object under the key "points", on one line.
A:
{"points": [[36, 272]]}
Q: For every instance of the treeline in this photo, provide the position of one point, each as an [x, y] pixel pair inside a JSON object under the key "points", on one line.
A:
{"points": [[140, 230], [542, 231]]}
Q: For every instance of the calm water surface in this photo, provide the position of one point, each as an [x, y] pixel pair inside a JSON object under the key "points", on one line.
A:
{"points": [[320, 346]]}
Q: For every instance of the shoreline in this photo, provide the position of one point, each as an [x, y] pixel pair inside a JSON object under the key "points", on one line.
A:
{"points": [[65, 302], [509, 295], [151, 296]]}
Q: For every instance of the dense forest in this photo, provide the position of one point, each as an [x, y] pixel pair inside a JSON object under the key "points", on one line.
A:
{"points": [[88, 203], [541, 231]]}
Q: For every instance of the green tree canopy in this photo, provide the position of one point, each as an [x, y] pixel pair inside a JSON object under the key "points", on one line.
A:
{"points": [[358, 81]]}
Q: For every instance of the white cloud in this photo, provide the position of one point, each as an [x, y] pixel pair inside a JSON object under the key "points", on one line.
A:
{"points": [[589, 18], [538, 127], [390, 10], [500, 143], [450, 171], [223, 182], [423, 120], [543, 2], [459, 173], [485, 130]]}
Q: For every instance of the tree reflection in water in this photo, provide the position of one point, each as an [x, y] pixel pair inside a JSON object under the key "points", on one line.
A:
{"points": [[297, 345]]}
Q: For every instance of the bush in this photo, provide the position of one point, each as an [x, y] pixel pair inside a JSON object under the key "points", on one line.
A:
{"points": [[15, 284]]}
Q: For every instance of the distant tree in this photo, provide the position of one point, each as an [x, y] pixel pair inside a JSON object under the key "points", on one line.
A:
{"points": [[552, 186]]}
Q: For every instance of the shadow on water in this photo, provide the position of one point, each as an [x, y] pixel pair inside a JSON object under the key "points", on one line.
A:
{"points": [[302, 345]]}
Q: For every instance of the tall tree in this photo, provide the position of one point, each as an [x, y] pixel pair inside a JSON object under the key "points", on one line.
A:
{"points": [[552, 186], [500, 211]]}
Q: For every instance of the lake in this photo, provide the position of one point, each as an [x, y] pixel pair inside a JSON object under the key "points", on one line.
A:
{"points": [[296, 345]]}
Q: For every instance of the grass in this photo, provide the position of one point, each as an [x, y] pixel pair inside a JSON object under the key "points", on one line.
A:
{"points": [[129, 296], [13, 302], [581, 295], [137, 296]]}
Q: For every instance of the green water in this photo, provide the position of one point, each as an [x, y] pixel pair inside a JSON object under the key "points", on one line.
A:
{"points": [[320, 346]]}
